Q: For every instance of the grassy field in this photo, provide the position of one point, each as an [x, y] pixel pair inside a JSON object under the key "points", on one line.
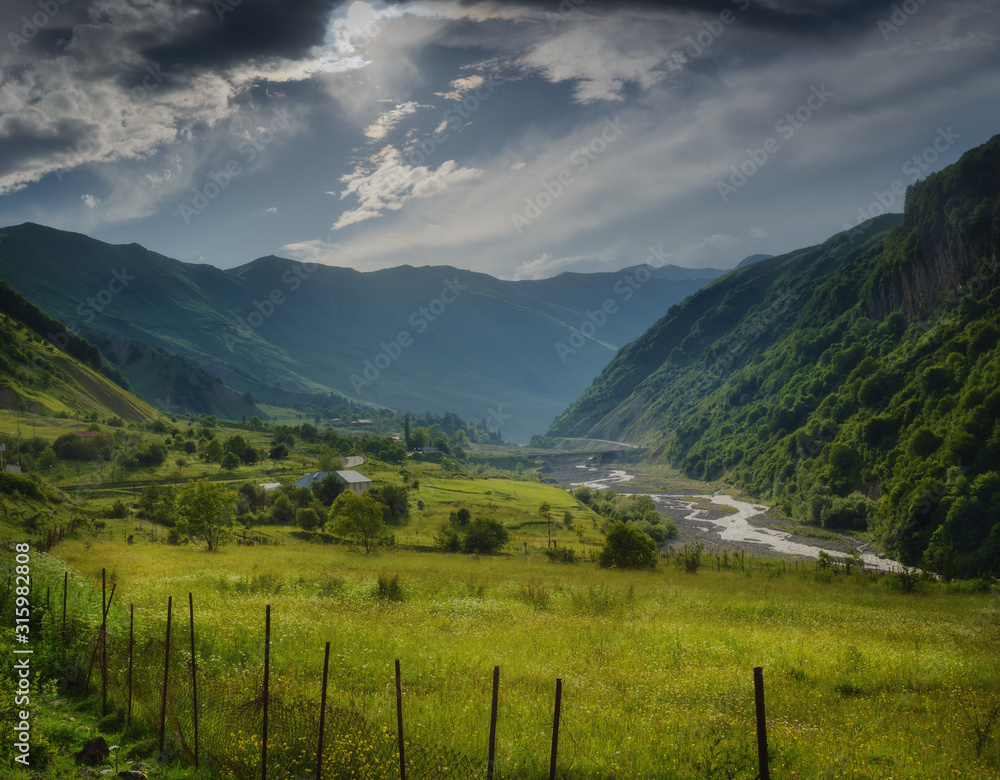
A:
{"points": [[867, 676], [863, 680]]}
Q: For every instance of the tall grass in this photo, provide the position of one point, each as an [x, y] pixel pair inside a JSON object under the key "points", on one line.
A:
{"points": [[863, 680]]}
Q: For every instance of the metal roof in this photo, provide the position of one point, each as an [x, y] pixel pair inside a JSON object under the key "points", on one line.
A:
{"points": [[352, 477]]}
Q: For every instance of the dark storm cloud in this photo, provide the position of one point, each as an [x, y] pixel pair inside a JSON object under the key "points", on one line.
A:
{"points": [[225, 33], [819, 19]]}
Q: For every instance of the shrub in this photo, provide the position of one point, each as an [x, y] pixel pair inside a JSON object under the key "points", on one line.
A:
{"points": [[626, 547], [689, 558], [388, 588], [485, 536], [561, 555]]}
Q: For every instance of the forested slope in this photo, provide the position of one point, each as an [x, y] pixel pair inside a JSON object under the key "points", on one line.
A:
{"points": [[856, 384]]}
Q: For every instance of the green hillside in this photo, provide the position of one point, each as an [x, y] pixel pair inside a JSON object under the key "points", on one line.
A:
{"points": [[406, 338], [47, 369], [852, 383]]}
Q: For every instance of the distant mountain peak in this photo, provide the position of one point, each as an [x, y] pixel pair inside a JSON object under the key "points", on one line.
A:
{"points": [[751, 260]]}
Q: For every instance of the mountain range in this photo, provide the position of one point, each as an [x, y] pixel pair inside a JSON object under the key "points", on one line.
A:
{"points": [[196, 338], [853, 383]]}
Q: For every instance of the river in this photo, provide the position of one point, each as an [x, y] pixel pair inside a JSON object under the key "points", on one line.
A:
{"points": [[734, 528]]}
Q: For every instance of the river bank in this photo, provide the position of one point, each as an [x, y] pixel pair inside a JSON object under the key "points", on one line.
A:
{"points": [[720, 521]]}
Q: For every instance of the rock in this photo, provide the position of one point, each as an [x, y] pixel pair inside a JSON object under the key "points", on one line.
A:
{"points": [[94, 752], [132, 774]]}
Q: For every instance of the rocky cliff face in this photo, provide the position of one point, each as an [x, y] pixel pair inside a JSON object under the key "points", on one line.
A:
{"points": [[951, 229]]}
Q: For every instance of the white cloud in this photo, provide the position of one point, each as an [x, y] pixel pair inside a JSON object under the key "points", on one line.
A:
{"points": [[392, 182], [757, 232], [272, 210], [461, 86], [602, 58], [90, 201], [382, 126]]}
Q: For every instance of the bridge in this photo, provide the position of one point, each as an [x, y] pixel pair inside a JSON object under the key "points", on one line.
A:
{"points": [[589, 451]]}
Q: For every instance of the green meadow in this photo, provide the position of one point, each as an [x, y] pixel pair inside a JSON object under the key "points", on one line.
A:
{"points": [[866, 676], [863, 679]]}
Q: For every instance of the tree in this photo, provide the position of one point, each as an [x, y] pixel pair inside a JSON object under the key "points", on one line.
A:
{"points": [[461, 517], [230, 461], [626, 547], [485, 536], [157, 504], [406, 431], [327, 489], [329, 460], [442, 445], [419, 438], [358, 518], [546, 511], [214, 451], [278, 452], [205, 512], [238, 446], [307, 519], [396, 501]]}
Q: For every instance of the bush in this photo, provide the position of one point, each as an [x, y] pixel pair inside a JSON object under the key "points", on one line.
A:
{"points": [[447, 539], [689, 558], [626, 547], [485, 536], [388, 588], [117, 510], [20, 483], [561, 555]]}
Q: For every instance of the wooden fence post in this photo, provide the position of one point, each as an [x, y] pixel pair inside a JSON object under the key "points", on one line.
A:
{"points": [[322, 714], [65, 588], [399, 722], [267, 689], [194, 680], [104, 643], [491, 762], [166, 673], [758, 684], [131, 645], [555, 729]]}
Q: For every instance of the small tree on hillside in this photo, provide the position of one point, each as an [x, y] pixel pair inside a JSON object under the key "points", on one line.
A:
{"points": [[359, 518], [485, 536], [626, 547], [205, 512], [307, 519]]}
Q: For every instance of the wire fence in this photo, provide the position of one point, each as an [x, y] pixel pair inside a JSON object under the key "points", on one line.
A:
{"points": [[240, 725]]}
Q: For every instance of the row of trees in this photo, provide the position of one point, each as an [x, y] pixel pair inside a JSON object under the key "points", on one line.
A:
{"points": [[207, 512]]}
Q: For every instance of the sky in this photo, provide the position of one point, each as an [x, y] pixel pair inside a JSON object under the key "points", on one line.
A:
{"points": [[520, 139]]}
